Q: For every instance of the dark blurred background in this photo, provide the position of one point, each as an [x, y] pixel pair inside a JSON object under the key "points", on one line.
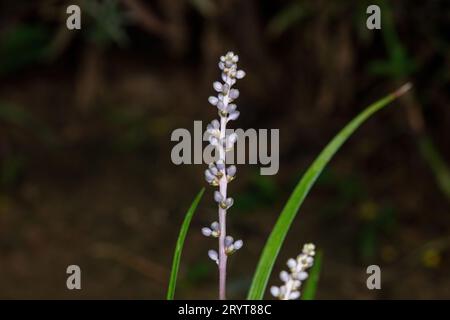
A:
{"points": [[86, 118]]}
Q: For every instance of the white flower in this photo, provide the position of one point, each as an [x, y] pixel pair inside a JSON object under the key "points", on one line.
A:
{"points": [[292, 280]]}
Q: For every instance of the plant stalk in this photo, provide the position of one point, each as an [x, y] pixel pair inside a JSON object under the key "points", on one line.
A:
{"points": [[223, 183]]}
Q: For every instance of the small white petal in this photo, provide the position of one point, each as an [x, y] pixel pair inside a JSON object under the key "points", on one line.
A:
{"points": [[291, 263], [296, 284], [220, 105], [240, 74], [238, 244], [220, 164], [213, 169], [229, 202], [213, 140], [209, 176], [228, 241], [215, 226], [225, 88], [213, 100], [212, 254], [275, 291], [302, 276], [231, 107], [215, 123], [233, 115], [218, 196], [284, 276], [232, 138], [217, 86], [294, 295], [234, 93], [206, 231], [231, 171]]}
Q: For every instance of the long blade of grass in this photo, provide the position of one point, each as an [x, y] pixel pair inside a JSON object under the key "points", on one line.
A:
{"points": [[310, 289], [278, 234], [180, 243]]}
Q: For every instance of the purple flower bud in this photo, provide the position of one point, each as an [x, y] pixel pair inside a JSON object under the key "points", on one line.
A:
{"points": [[225, 88], [209, 177], [231, 171], [220, 164], [234, 94], [218, 196], [206, 231], [215, 226], [217, 86], [213, 169], [220, 106], [228, 241], [213, 140], [231, 107], [216, 124], [238, 244], [228, 203], [213, 100], [233, 115], [212, 254], [240, 74]]}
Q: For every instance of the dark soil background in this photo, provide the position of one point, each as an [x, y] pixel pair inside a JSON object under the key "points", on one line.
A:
{"points": [[86, 118]]}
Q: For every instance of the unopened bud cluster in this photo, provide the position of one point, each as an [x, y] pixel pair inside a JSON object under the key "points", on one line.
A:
{"points": [[293, 279], [218, 174]]}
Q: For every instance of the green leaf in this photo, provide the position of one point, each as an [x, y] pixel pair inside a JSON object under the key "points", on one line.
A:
{"points": [[180, 243], [310, 289], [278, 234]]}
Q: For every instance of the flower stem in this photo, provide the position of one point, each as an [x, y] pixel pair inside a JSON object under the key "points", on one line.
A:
{"points": [[222, 217]]}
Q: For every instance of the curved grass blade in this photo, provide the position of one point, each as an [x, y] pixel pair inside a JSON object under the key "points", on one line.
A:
{"points": [[180, 243], [309, 292], [278, 234]]}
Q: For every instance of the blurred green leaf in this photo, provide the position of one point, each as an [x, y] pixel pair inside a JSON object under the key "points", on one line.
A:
{"points": [[12, 167], [310, 289], [279, 232], [367, 242], [198, 272], [286, 18], [108, 22], [436, 163], [15, 115], [180, 243], [18, 116], [22, 45], [262, 192]]}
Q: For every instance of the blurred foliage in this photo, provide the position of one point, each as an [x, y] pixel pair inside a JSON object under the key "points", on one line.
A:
{"points": [[22, 45], [376, 222], [20, 117], [197, 273], [437, 164], [261, 192], [12, 167], [286, 18], [398, 65], [107, 22], [312, 283]]}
